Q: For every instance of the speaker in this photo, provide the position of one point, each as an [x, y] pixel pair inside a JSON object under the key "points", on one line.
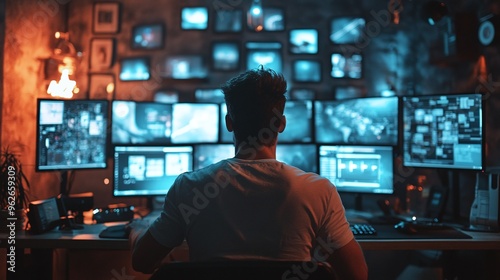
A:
{"points": [[488, 30]]}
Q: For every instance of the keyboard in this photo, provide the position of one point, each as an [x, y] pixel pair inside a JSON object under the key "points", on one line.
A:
{"points": [[362, 229]]}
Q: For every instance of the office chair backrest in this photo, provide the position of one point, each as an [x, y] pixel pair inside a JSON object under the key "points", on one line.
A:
{"points": [[244, 270]]}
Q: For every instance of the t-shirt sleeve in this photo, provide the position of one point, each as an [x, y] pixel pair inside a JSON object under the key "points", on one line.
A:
{"points": [[169, 228], [335, 231]]}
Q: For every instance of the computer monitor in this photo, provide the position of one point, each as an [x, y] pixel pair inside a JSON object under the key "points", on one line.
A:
{"points": [[149, 170], [136, 122], [302, 156], [183, 67], [206, 154], [209, 95], [134, 69], [346, 65], [267, 54], [360, 121], [303, 41], [71, 134], [347, 30], [444, 131], [225, 135], [148, 36], [299, 122], [194, 18], [195, 123], [225, 56], [358, 169]]}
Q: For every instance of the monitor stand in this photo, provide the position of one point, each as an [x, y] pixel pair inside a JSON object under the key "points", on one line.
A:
{"points": [[67, 222]]}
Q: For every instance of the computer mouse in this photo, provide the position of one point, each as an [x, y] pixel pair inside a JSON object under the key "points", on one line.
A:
{"points": [[406, 227]]}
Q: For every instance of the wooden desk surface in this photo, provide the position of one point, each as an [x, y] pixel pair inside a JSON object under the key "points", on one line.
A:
{"points": [[88, 238]]}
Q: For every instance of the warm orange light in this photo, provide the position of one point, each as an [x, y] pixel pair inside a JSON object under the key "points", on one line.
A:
{"points": [[62, 88]]}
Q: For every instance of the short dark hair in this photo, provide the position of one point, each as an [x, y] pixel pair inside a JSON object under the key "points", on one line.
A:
{"points": [[255, 102]]}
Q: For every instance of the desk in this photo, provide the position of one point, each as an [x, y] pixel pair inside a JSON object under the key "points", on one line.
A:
{"points": [[88, 238]]}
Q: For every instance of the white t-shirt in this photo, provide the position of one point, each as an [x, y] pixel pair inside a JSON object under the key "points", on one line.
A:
{"points": [[253, 209]]}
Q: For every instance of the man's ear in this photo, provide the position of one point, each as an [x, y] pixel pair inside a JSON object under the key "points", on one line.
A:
{"points": [[282, 123], [229, 123]]}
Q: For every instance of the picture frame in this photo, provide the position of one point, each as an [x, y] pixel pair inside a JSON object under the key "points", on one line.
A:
{"points": [[106, 17], [102, 86], [101, 53]]}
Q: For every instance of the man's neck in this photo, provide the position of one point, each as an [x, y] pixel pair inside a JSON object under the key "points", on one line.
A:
{"points": [[252, 152]]}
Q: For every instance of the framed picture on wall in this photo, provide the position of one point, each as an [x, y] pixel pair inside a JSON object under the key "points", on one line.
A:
{"points": [[106, 17], [102, 86], [101, 53]]}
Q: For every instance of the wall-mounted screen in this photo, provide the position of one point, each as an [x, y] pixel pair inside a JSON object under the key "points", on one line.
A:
{"points": [[71, 134], [148, 36], [349, 92], [225, 56], [303, 41], [301, 94], [140, 122], [302, 156], [306, 71], [443, 131], [299, 122], [195, 123], [194, 18], [347, 30], [267, 54], [225, 135], [228, 20], [206, 154], [358, 169], [134, 69], [183, 67], [149, 170], [274, 19], [346, 65], [371, 121], [209, 95]]}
